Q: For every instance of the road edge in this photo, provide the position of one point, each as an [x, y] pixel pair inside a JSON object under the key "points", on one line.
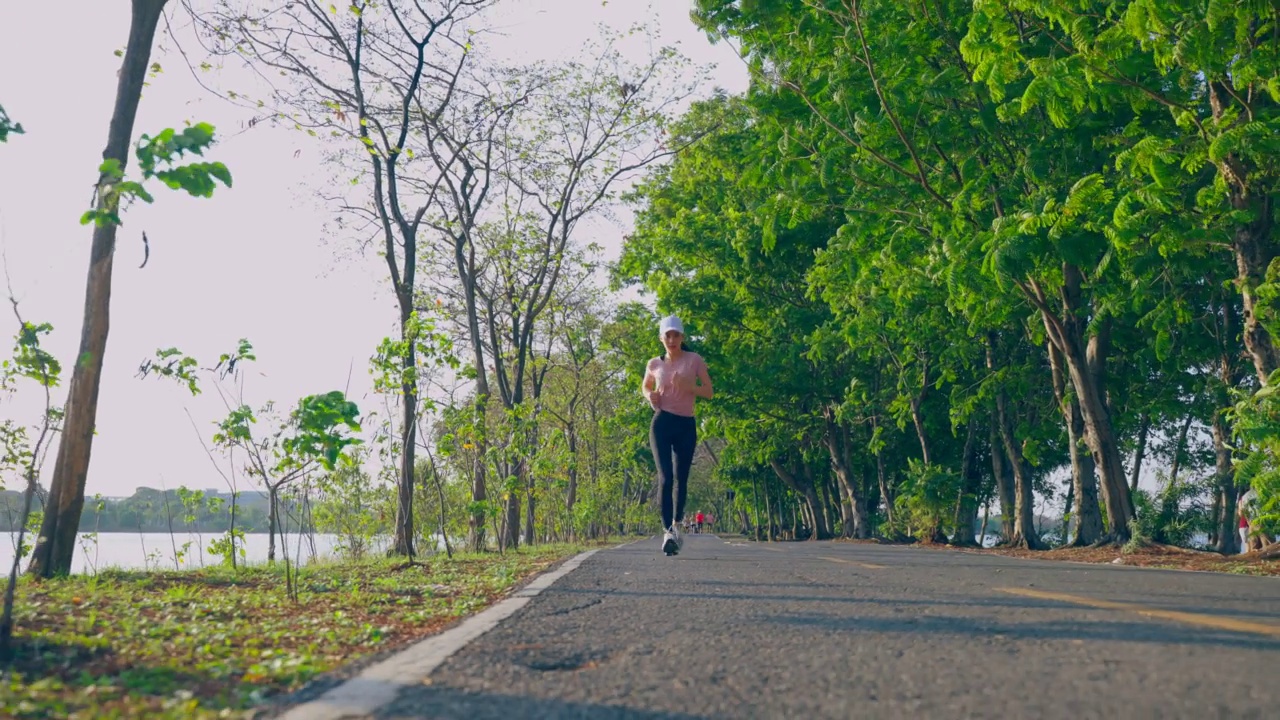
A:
{"points": [[380, 683]]}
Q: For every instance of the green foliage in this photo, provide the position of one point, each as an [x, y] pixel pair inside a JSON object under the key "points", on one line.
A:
{"points": [[926, 500], [172, 363], [318, 424], [30, 360], [353, 505], [1257, 430], [22, 447], [158, 158], [8, 127], [230, 547], [138, 642], [405, 361]]}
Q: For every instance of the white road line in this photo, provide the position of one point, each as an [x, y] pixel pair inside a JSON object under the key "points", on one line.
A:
{"points": [[379, 684]]}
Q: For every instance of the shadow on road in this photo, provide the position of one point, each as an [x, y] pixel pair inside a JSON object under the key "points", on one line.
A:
{"points": [[449, 703], [1141, 631]]}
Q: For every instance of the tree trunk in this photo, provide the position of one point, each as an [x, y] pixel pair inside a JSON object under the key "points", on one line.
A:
{"points": [[810, 495], [1140, 452], [824, 499], [1215, 515], [1005, 488], [1178, 449], [755, 491], [1084, 478], [1085, 362], [231, 530], [886, 494], [1066, 513], [1024, 529], [571, 494], [1255, 250], [1169, 499], [1228, 538], [986, 516], [476, 521], [512, 526], [1004, 484], [768, 514], [530, 528], [967, 501], [1252, 242], [403, 541], [58, 532], [917, 418], [846, 512], [273, 510], [862, 529], [837, 442], [479, 496]]}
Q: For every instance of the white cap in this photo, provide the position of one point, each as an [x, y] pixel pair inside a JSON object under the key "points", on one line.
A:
{"points": [[670, 322]]}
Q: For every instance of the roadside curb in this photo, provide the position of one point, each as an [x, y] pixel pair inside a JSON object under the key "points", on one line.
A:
{"points": [[379, 684]]}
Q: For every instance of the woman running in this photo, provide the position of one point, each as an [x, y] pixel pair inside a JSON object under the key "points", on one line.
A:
{"points": [[671, 382]]}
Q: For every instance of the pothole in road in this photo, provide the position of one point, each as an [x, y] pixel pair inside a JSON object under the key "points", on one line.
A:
{"points": [[543, 658]]}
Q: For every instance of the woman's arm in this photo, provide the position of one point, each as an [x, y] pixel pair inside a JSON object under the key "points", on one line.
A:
{"points": [[648, 387], [703, 389]]}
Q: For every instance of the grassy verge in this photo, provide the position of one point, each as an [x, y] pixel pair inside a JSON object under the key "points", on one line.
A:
{"points": [[195, 644], [1164, 557]]}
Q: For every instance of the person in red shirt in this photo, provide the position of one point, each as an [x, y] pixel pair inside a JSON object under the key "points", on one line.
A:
{"points": [[698, 520], [1244, 530]]}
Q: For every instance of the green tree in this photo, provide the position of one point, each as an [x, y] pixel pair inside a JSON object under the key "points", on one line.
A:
{"points": [[315, 435], [881, 94], [22, 449]]}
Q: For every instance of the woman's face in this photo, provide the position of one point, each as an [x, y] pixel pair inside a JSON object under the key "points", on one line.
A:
{"points": [[672, 339]]}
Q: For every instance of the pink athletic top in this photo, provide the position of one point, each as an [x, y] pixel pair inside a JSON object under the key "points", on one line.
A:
{"points": [[671, 397]]}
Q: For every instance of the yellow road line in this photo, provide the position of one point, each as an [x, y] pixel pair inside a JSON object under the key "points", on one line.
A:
{"points": [[1213, 621], [869, 566]]}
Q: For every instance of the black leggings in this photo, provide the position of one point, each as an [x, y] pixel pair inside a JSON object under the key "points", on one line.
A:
{"points": [[679, 434]]}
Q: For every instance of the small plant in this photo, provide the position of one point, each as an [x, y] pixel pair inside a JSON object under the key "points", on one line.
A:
{"points": [[230, 547], [29, 362]]}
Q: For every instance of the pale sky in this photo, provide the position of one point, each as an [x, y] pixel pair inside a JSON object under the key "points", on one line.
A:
{"points": [[251, 262]]}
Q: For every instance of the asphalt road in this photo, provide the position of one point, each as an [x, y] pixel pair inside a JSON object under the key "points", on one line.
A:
{"points": [[839, 630]]}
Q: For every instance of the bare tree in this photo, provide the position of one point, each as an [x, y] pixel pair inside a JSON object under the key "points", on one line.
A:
{"points": [[576, 137], [369, 76], [463, 143]]}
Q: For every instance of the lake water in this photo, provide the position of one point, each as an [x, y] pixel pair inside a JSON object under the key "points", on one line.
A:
{"points": [[134, 551]]}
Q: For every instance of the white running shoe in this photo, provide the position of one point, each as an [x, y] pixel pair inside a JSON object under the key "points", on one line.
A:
{"points": [[670, 542], [675, 533]]}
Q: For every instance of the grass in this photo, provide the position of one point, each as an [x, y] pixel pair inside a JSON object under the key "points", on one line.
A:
{"points": [[1152, 555], [217, 642]]}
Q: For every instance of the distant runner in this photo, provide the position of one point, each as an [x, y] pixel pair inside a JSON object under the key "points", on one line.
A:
{"points": [[1247, 506], [1244, 532], [698, 520], [671, 382]]}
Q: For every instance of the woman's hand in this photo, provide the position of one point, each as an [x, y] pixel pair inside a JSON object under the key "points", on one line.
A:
{"points": [[652, 396]]}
